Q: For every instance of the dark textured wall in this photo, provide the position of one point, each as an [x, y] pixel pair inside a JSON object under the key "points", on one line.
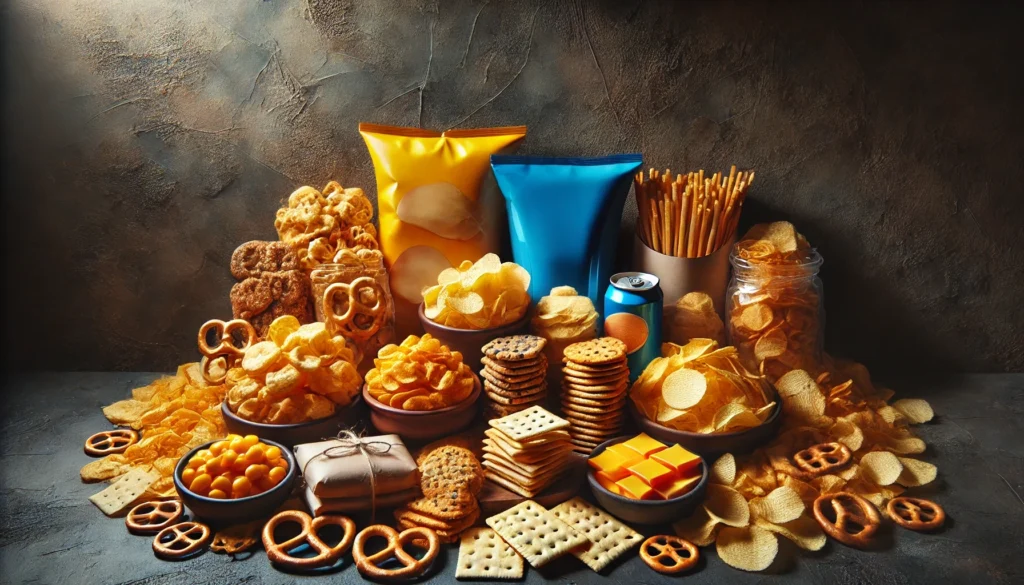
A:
{"points": [[145, 139]]}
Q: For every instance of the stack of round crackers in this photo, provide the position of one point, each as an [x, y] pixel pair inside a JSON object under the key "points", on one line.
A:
{"points": [[450, 479], [514, 374], [594, 391]]}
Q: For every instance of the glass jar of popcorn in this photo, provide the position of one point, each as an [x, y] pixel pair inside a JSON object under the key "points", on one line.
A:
{"points": [[353, 299], [774, 308]]}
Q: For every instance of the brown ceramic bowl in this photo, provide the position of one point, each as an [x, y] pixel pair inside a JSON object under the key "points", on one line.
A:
{"points": [[298, 433], [711, 446], [423, 425], [469, 341]]}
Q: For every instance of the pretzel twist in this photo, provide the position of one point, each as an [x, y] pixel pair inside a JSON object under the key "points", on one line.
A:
{"points": [[368, 565], [916, 513], [226, 347], [360, 320], [278, 552], [152, 517], [107, 442], [823, 458], [194, 535], [851, 511], [656, 550]]}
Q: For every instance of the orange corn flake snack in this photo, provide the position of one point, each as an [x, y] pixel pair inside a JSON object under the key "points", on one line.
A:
{"points": [[419, 374], [320, 226], [173, 414]]}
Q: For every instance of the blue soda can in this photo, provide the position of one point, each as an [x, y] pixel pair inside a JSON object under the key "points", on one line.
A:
{"points": [[632, 314]]}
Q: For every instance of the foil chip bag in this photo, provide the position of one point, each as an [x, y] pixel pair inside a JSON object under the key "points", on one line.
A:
{"points": [[434, 209]]}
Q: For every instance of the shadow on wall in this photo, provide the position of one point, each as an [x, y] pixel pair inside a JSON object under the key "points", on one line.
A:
{"points": [[144, 140]]}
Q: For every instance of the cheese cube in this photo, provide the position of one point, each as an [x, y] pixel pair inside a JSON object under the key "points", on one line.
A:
{"points": [[644, 445], [653, 473], [678, 459], [630, 455], [611, 463], [609, 484], [679, 487], [634, 487]]}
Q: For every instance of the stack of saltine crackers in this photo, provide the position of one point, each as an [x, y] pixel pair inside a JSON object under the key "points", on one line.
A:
{"points": [[515, 374], [540, 535], [594, 391], [527, 451]]}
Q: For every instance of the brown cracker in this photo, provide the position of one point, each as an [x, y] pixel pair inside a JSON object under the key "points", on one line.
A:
{"points": [[519, 401], [604, 369], [516, 368], [514, 347], [599, 351]]}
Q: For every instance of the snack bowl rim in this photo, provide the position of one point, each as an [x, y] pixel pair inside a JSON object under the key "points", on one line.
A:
{"points": [[511, 326], [285, 484], [474, 396], [698, 490], [772, 419], [227, 413]]}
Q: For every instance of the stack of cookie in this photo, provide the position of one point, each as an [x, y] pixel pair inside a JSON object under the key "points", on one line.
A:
{"points": [[594, 391], [514, 373], [450, 479], [527, 451]]}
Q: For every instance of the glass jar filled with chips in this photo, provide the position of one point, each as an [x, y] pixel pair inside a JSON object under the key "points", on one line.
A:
{"points": [[353, 298], [774, 301]]}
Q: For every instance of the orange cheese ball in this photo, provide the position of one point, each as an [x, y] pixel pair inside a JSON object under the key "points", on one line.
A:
{"points": [[235, 467]]}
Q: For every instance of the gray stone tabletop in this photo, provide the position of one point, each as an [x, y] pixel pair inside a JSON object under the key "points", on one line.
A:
{"points": [[51, 533]]}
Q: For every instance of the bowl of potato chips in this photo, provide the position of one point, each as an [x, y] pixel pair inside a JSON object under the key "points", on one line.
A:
{"points": [[297, 433], [702, 397], [475, 303], [421, 389], [235, 479]]}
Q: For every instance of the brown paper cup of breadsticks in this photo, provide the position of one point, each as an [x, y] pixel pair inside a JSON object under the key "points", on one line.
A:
{"points": [[685, 228]]}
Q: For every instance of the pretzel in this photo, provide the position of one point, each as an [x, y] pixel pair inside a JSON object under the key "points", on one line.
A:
{"points": [[823, 458], [227, 343], [107, 442], [667, 548], [916, 513], [180, 540], [152, 517], [852, 511], [360, 320], [278, 552], [369, 565]]}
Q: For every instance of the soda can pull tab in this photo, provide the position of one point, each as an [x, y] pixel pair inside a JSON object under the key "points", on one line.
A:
{"points": [[636, 281]]}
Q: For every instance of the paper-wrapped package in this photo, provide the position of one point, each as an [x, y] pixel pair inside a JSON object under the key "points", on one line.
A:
{"points": [[340, 469], [320, 506]]}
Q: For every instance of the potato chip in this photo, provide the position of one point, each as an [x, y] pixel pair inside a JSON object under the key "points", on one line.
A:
{"points": [[750, 548], [699, 528], [479, 295], [684, 388], [782, 505], [916, 472], [694, 316], [804, 532], [726, 505], [881, 467], [723, 471], [419, 374], [916, 410]]}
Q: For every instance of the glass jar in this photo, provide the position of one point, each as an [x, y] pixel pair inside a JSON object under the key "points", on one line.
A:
{"points": [[362, 311], [775, 314]]}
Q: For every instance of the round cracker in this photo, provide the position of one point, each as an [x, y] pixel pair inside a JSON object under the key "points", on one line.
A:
{"points": [[599, 351], [514, 347]]}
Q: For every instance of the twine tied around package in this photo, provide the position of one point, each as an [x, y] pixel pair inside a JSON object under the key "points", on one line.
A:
{"points": [[350, 444]]}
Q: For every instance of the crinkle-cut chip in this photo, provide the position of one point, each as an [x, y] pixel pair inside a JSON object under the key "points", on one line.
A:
{"points": [[881, 467], [757, 317], [782, 505], [684, 388], [916, 410], [847, 433], [104, 469], [916, 472], [804, 532], [891, 415], [260, 357], [796, 382], [749, 548], [281, 328], [734, 417], [723, 471], [808, 407], [699, 528], [850, 472], [726, 505], [564, 291], [899, 445], [805, 491]]}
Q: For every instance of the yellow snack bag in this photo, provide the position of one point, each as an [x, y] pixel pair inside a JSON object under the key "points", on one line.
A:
{"points": [[434, 213]]}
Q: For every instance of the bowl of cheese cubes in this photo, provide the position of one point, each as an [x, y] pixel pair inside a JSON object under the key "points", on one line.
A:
{"points": [[644, 481]]}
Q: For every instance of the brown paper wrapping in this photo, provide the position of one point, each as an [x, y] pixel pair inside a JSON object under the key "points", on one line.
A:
{"points": [[349, 476], [319, 506]]}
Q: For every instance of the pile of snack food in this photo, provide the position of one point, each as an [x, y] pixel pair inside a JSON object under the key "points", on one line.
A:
{"points": [[502, 478]]}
